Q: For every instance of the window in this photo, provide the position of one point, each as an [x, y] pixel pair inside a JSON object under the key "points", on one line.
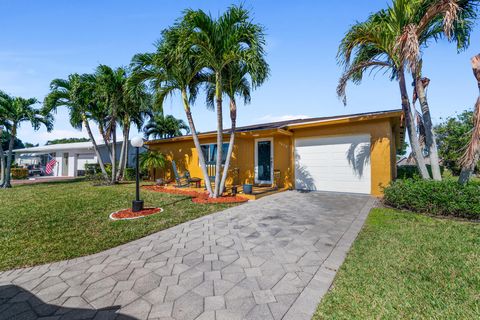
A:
{"points": [[210, 152]]}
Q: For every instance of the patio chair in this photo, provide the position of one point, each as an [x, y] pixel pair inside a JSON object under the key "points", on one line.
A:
{"points": [[182, 181]]}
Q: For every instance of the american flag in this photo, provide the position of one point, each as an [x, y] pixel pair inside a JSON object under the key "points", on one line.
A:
{"points": [[50, 165]]}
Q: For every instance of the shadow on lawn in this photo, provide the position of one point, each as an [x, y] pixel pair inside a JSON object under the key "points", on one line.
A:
{"points": [[18, 303]]}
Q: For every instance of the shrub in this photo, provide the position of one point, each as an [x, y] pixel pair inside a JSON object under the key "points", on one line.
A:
{"points": [[411, 171], [19, 173], [446, 198], [129, 174]]}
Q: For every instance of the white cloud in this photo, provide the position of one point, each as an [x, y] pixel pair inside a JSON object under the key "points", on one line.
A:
{"points": [[275, 118]]}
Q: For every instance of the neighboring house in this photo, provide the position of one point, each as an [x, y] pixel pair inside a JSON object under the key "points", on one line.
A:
{"points": [[71, 158], [350, 153]]}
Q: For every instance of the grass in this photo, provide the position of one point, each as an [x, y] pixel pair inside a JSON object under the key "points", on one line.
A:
{"points": [[405, 265], [56, 221]]}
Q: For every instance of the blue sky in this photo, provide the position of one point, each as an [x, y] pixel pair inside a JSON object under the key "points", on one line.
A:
{"points": [[43, 40]]}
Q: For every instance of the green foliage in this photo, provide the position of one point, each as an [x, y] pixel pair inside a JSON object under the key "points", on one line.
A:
{"points": [[443, 198], [411, 171], [408, 266], [19, 173], [129, 174], [5, 140], [161, 127], [453, 136], [67, 140]]}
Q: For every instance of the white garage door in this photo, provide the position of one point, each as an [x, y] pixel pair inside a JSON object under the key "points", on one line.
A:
{"points": [[338, 163]]}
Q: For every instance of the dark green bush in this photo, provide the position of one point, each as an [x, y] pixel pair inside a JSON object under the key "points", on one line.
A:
{"points": [[411, 171], [19, 173], [129, 174], [446, 198]]}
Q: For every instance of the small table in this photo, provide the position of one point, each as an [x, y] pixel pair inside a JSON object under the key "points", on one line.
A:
{"points": [[197, 181]]}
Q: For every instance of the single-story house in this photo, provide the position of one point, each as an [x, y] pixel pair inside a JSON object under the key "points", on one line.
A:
{"points": [[71, 158], [349, 153]]}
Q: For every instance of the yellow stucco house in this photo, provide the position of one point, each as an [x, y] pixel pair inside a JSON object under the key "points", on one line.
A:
{"points": [[348, 153]]}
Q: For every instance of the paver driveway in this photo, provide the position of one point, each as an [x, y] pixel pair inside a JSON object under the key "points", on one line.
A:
{"points": [[269, 259]]}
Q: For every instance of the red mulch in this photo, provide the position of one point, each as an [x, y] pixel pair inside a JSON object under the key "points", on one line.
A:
{"points": [[198, 196], [129, 214]]}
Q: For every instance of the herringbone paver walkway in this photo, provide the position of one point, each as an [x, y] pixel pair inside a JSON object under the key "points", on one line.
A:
{"points": [[269, 259]]}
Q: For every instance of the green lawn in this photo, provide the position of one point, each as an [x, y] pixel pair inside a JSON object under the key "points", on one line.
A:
{"points": [[55, 221], [408, 266]]}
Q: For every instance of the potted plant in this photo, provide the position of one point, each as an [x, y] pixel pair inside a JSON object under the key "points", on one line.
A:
{"points": [[248, 186]]}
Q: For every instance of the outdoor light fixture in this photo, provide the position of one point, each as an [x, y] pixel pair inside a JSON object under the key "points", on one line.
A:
{"points": [[137, 204]]}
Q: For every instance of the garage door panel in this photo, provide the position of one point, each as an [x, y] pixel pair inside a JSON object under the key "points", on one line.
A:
{"points": [[340, 163]]}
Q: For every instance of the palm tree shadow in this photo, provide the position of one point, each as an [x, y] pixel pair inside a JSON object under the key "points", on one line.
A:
{"points": [[303, 178], [18, 303], [358, 156]]}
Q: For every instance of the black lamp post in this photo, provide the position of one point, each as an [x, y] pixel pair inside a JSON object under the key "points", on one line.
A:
{"points": [[137, 204]]}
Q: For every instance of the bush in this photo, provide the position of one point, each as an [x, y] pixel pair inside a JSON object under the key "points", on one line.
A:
{"points": [[411, 171], [129, 174], [446, 198], [19, 173]]}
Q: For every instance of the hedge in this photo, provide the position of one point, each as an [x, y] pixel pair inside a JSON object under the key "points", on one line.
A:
{"points": [[443, 198], [19, 173]]}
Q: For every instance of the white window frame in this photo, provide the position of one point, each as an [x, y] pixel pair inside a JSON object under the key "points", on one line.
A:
{"points": [[257, 181]]}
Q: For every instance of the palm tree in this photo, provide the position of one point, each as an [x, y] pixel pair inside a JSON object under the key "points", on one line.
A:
{"points": [[17, 110], [151, 160], [171, 69], [472, 153], [423, 21], [161, 127], [3, 122], [77, 94], [217, 43], [379, 43]]}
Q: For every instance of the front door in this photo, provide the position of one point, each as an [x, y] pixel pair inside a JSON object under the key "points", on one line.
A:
{"points": [[65, 165], [264, 161]]}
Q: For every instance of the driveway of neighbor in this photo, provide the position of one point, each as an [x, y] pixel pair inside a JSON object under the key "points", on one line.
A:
{"points": [[269, 259]]}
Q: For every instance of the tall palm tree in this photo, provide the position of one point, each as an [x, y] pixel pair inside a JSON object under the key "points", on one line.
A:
{"points": [[382, 42], [232, 38], [16, 111], [77, 94], [3, 123], [421, 22], [472, 153], [161, 127], [110, 92], [171, 69]]}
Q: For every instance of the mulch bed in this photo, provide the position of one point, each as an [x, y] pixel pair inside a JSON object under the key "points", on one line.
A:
{"points": [[128, 214], [198, 196]]}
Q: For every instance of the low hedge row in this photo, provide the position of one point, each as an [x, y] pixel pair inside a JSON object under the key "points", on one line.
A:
{"points": [[19, 173], [446, 198]]}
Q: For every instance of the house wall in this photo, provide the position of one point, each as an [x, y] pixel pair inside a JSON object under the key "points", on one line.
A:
{"points": [[382, 153], [380, 147]]}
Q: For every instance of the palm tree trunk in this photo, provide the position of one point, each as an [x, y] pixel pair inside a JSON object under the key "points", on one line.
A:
{"points": [[6, 183], [114, 154], [2, 160], [412, 135], [95, 147], [101, 129], [201, 158], [472, 153], [126, 130], [429, 133], [233, 117], [218, 167]]}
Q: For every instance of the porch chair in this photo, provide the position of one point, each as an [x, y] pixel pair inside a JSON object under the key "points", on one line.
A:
{"points": [[182, 181]]}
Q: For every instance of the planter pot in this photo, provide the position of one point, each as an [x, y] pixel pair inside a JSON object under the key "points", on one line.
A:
{"points": [[247, 188], [159, 182]]}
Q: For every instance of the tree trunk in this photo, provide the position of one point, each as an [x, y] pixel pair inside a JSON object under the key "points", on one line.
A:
{"points": [[472, 153], [2, 160], [429, 133], [218, 167], [114, 154], [233, 117], [201, 158], [101, 129], [121, 168], [8, 169], [95, 148], [412, 134]]}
